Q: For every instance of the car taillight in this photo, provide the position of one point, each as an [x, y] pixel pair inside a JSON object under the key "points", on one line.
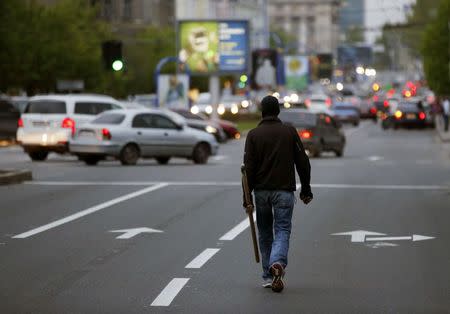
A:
{"points": [[106, 134], [69, 123], [386, 103], [398, 114], [373, 110], [307, 102], [20, 123], [422, 115], [305, 134], [375, 98], [328, 102]]}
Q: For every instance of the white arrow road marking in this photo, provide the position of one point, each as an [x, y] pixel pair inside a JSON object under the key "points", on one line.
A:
{"points": [[414, 238], [88, 211], [202, 258], [375, 158], [358, 235], [170, 292], [129, 233]]}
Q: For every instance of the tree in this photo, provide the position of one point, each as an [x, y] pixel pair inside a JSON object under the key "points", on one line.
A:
{"points": [[435, 50], [354, 35]]}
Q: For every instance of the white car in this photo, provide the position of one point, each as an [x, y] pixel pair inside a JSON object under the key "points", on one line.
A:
{"points": [[50, 121]]}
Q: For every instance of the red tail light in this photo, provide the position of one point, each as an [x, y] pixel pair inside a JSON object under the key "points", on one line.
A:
{"points": [[20, 123], [328, 102], [422, 115], [106, 134], [386, 103], [375, 98], [305, 134], [69, 123], [307, 102], [373, 110]]}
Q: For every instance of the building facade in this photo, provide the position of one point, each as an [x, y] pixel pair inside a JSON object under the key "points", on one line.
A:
{"points": [[351, 14], [315, 24]]}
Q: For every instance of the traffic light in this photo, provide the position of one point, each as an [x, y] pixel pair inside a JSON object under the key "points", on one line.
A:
{"points": [[112, 55], [243, 81]]}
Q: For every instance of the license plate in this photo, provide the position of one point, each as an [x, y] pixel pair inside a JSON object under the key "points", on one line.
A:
{"points": [[41, 123], [86, 134], [410, 116]]}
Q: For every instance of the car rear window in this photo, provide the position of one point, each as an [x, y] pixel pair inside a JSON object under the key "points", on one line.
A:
{"points": [[46, 107], [408, 106], [298, 119], [344, 108], [110, 118], [91, 108]]}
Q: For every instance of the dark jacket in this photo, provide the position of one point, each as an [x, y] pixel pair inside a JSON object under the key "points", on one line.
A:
{"points": [[272, 152]]}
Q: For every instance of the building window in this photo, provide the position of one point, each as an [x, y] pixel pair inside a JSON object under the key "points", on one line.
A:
{"points": [[108, 9], [127, 9]]}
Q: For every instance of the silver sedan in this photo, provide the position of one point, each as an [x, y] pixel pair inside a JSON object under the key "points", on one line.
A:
{"points": [[148, 133]]}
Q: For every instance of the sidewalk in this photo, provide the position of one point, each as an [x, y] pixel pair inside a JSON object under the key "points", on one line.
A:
{"points": [[443, 136]]}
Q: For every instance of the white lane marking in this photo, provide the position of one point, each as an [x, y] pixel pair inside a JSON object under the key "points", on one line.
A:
{"points": [[238, 229], [358, 235], [219, 157], [170, 292], [88, 211], [202, 258], [212, 183], [414, 238], [132, 232], [375, 158]]}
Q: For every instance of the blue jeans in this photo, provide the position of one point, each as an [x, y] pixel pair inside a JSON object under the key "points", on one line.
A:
{"points": [[274, 247]]}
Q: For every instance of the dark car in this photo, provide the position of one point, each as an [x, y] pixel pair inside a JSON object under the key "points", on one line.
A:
{"points": [[319, 131], [9, 117], [368, 110], [346, 113], [201, 123], [406, 113]]}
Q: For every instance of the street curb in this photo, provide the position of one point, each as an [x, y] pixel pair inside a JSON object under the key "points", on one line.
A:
{"points": [[442, 135], [11, 176]]}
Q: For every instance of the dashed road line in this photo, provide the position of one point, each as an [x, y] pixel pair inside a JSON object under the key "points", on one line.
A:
{"points": [[238, 229], [202, 258], [88, 211], [169, 293]]}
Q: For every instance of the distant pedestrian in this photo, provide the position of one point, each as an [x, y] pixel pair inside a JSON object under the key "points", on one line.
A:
{"points": [[273, 151], [445, 112]]}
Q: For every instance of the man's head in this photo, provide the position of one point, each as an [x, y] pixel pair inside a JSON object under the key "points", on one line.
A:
{"points": [[270, 106]]}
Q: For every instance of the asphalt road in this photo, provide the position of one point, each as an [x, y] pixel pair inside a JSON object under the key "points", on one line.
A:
{"points": [[58, 254]]}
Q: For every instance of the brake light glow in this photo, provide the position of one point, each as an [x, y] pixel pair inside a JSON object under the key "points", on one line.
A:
{"points": [[69, 123], [422, 115], [375, 98], [386, 103], [20, 123], [398, 114], [305, 134], [307, 102], [328, 102], [106, 134], [373, 110]]}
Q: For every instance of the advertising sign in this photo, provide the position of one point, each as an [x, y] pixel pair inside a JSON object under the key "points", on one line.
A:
{"points": [[354, 55], [264, 65], [173, 91], [297, 72], [214, 46], [322, 66]]}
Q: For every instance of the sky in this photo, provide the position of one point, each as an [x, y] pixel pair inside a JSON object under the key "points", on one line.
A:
{"points": [[380, 12]]}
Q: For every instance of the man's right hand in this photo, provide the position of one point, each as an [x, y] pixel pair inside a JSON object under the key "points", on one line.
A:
{"points": [[306, 199]]}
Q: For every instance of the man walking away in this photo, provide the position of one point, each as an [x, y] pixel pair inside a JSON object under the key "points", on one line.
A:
{"points": [[446, 112], [273, 151]]}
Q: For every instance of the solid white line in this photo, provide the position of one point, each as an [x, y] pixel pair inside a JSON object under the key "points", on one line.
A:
{"points": [[233, 233], [170, 292], [214, 183], [389, 238], [202, 258], [88, 211]]}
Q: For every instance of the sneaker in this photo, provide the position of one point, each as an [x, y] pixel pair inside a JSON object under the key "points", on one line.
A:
{"points": [[277, 272], [267, 283]]}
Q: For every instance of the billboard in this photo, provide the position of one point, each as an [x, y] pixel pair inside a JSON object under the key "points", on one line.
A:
{"points": [[322, 66], [264, 66], [173, 91], [209, 47], [297, 72], [354, 55]]}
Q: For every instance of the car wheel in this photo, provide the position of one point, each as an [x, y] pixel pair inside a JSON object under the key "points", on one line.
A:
{"points": [[91, 160], [129, 155], [201, 154], [339, 152], [162, 160], [355, 123], [38, 156]]}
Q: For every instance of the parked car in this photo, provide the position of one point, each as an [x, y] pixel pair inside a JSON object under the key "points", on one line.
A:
{"points": [[9, 117], [150, 133], [319, 132], [367, 110], [201, 122], [20, 102], [406, 113], [49, 121], [346, 113]]}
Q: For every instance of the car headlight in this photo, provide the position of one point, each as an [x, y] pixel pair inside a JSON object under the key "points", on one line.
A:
{"points": [[245, 103], [234, 109], [209, 109], [210, 129], [195, 110], [221, 109]]}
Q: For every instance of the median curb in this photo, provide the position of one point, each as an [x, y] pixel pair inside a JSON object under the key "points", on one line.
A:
{"points": [[11, 176]]}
